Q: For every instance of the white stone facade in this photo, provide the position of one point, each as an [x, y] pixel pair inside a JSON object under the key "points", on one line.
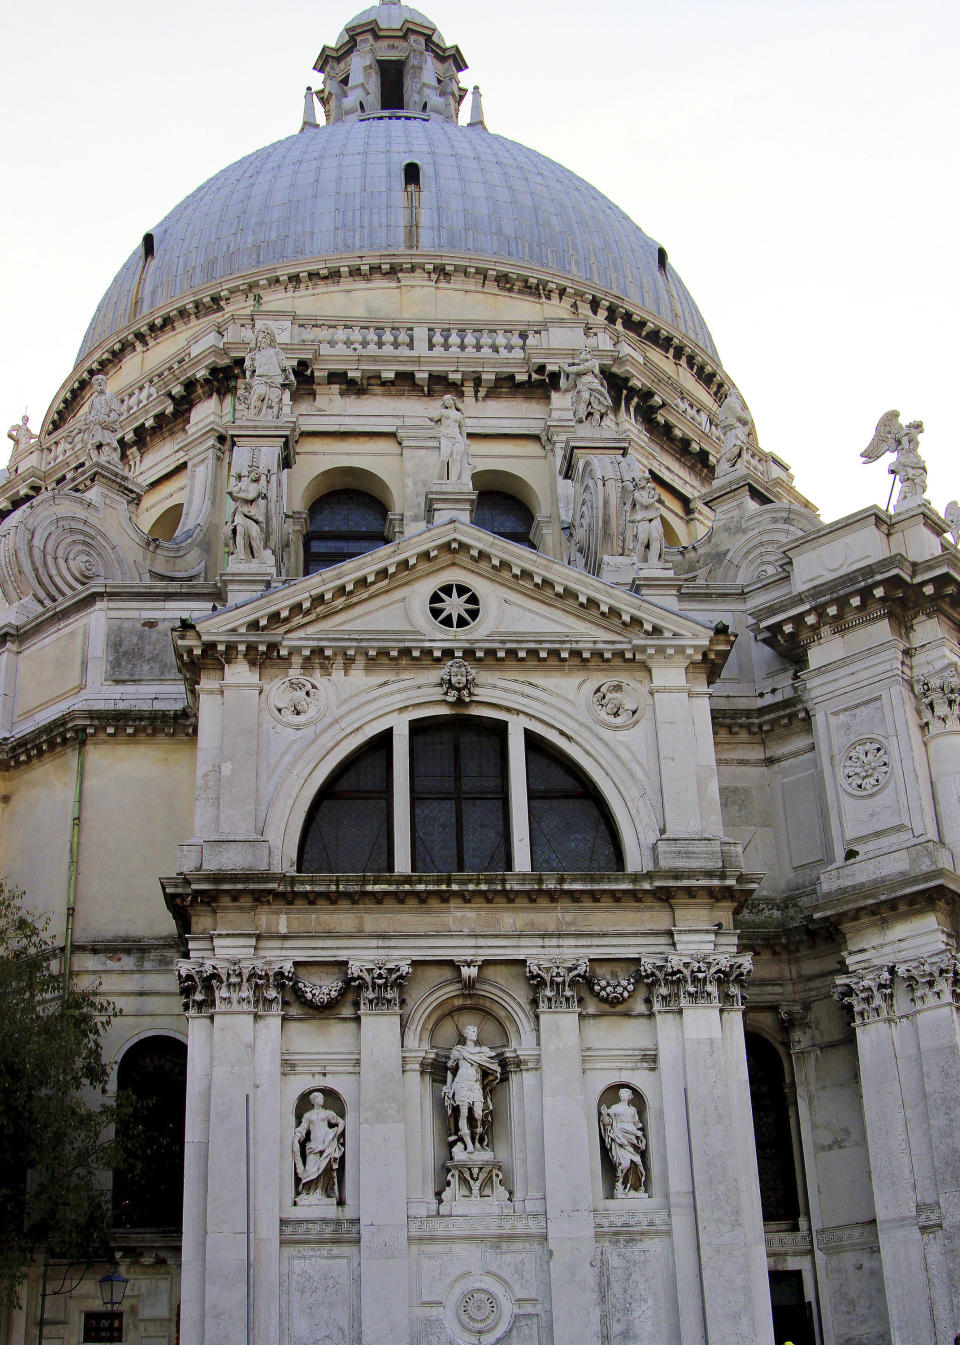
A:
{"points": [[761, 710]]}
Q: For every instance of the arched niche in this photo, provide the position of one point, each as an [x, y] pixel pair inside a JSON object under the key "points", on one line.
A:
{"points": [[164, 526], [495, 481], [151, 1085], [348, 477], [329, 1185], [610, 1097]]}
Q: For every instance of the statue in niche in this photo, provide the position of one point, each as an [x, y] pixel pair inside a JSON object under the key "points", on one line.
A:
{"points": [[472, 1072], [23, 437], [102, 425], [268, 372], [643, 528], [735, 429], [317, 1150], [455, 464], [908, 467], [247, 530], [626, 1143], [591, 400]]}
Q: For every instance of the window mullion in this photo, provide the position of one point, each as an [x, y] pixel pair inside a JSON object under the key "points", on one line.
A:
{"points": [[402, 802], [519, 809]]}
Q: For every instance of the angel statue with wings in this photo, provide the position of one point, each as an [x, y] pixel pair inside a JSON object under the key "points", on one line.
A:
{"points": [[907, 467]]}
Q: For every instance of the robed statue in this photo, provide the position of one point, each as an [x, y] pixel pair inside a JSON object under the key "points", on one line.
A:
{"points": [[472, 1072], [317, 1149]]}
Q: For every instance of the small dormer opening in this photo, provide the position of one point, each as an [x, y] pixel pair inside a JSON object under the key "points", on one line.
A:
{"points": [[147, 248], [411, 205], [391, 86], [662, 260]]}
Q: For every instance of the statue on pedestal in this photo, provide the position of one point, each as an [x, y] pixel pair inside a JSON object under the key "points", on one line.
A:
{"points": [[591, 401], [735, 429], [643, 528], [455, 464], [626, 1143], [472, 1072], [102, 425], [23, 437], [908, 467], [317, 1149], [247, 530], [268, 372]]}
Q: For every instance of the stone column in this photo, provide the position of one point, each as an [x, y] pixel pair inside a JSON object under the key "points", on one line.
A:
{"points": [[567, 1137], [382, 1159], [706, 990], [869, 996], [938, 701], [676, 749], [198, 1008]]}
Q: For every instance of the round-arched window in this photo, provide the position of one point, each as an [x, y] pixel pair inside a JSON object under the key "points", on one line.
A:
{"points": [[152, 1094], [350, 826], [343, 524], [570, 828], [504, 515]]}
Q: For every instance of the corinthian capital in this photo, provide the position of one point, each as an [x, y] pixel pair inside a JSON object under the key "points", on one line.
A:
{"points": [[932, 981], [938, 699], [681, 981], [233, 985], [867, 994], [555, 981], [379, 984]]}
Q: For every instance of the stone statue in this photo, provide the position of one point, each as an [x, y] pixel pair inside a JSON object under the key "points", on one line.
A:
{"points": [[623, 1135], [952, 517], [247, 530], [455, 464], [23, 437], [102, 424], [908, 467], [643, 528], [317, 1149], [472, 1071], [267, 372], [735, 429], [591, 400]]}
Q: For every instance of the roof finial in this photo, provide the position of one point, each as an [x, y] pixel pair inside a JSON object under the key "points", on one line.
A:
{"points": [[309, 122], [476, 109]]}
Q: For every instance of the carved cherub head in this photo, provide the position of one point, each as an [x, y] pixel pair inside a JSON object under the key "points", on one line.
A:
{"points": [[99, 383]]}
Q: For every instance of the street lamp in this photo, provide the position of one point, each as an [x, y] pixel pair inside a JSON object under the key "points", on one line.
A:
{"points": [[113, 1286]]}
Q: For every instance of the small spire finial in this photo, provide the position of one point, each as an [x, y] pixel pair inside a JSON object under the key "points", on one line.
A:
{"points": [[309, 122], [476, 109]]}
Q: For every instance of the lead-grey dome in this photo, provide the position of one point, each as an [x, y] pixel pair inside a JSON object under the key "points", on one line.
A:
{"points": [[339, 190], [390, 17]]}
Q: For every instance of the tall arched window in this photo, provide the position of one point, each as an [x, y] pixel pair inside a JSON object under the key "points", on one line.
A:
{"points": [[570, 829], [152, 1092], [771, 1128], [343, 524], [349, 828], [504, 515], [458, 792]]}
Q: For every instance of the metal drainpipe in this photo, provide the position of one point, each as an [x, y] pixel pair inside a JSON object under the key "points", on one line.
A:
{"points": [[74, 857]]}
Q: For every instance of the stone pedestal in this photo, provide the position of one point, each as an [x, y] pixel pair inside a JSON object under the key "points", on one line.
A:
{"points": [[585, 442], [474, 1184], [243, 580], [449, 503], [619, 570]]}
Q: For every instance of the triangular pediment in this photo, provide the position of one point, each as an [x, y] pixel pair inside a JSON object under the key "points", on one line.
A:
{"points": [[383, 599]]}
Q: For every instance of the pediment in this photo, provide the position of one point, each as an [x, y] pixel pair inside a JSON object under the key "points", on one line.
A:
{"points": [[382, 600]]}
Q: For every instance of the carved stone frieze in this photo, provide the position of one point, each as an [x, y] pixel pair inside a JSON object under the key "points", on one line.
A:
{"points": [[938, 699], [932, 981], [318, 996], [233, 985], [379, 984], [680, 981], [868, 994], [555, 981]]}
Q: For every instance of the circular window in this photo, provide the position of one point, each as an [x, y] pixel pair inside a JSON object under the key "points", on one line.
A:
{"points": [[454, 606]]}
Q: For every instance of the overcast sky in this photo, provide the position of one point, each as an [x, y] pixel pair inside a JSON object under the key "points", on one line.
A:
{"points": [[797, 159]]}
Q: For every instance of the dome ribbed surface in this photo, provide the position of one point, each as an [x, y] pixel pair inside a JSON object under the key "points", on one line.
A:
{"points": [[339, 190], [390, 18]]}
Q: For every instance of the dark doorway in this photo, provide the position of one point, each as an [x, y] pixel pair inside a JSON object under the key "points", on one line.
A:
{"points": [[152, 1076], [792, 1314]]}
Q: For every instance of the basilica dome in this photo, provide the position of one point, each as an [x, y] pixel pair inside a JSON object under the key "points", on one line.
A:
{"points": [[340, 190]]}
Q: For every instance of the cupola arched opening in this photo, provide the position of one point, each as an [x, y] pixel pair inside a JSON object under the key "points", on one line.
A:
{"points": [[342, 524], [437, 799], [504, 515], [152, 1092]]}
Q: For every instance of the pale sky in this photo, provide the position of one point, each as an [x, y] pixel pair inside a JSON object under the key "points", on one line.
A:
{"points": [[797, 158]]}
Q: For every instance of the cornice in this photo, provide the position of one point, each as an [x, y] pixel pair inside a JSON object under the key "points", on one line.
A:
{"points": [[66, 728]]}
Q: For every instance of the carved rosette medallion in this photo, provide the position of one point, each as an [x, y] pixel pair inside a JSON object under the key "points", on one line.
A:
{"points": [[233, 985], [555, 982], [868, 994], [379, 984], [938, 699], [616, 704], [686, 982], [297, 701], [865, 767], [478, 1310]]}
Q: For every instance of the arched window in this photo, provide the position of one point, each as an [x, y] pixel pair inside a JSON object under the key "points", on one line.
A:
{"points": [[411, 205], [349, 828], [152, 1093], [458, 778], [570, 829], [504, 515], [343, 524], [771, 1128]]}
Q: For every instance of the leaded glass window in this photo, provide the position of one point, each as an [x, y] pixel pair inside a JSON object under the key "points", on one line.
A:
{"points": [[350, 826], [570, 829], [343, 524], [503, 515], [458, 779]]}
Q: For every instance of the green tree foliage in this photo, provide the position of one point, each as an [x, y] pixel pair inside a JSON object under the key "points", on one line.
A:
{"points": [[55, 1122]]}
